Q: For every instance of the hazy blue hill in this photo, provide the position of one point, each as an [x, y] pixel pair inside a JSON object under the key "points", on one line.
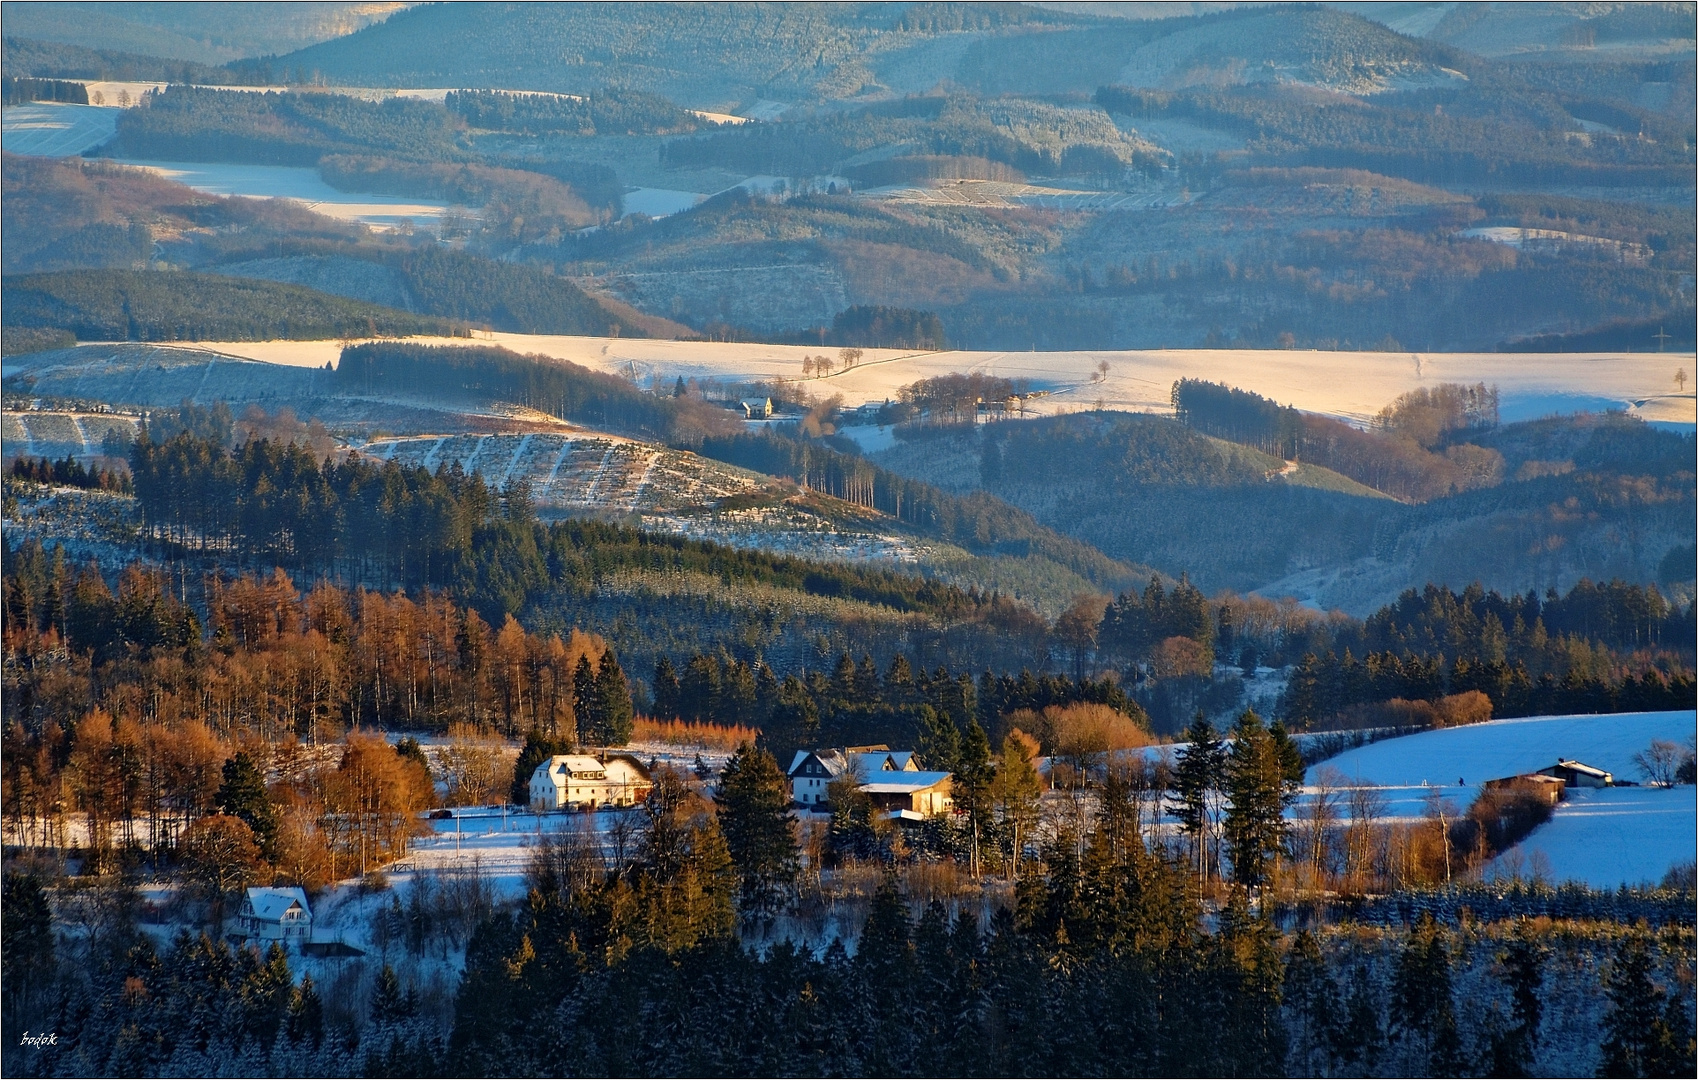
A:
{"points": [[705, 54], [204, 32], [696, 53], [1317, 46]]}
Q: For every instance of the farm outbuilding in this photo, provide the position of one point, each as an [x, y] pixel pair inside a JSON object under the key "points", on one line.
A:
{"points": [[1550, 789], [1578, 774]]}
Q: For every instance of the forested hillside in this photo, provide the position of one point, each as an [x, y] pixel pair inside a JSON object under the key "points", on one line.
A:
{"points": [[122, 305], [1146, 490], [70, 215]]}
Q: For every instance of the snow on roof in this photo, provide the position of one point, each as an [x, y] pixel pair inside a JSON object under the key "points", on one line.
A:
{"points": [[1568, 763], [898, 783], [570, 763], [270, 904], [796, 762]]}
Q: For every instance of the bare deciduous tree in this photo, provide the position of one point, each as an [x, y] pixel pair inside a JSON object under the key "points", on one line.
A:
{"points": [[1659, 762]]}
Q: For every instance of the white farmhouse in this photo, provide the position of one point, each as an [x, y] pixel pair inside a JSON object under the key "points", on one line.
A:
{"points": [[811, 772], [582, 782], [276, 915]]}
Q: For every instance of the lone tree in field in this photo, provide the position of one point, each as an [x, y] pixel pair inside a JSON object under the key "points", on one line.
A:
{"points": [[754, 817]]}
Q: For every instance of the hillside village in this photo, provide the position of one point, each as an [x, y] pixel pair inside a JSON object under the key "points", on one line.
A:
{"points": [[869, 539]]}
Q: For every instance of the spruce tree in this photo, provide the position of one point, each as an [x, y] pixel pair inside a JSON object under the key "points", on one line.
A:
{"points": [[538, 748], [665, 689], [613, 701], [1311, 999], [1260, 787], [243, 795], [1513, 1047], [1647, 1032], [940, 743], [305, 1022], [27, 965], [1197, 777], [1423, 1002], [754, 817], [1361, 1038], [586, 703], [971, 789]]}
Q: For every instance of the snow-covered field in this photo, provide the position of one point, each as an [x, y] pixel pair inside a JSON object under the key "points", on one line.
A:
{"points": [[1604, 838], [1352, 386], [51, 129], [302, 185], [1611, 837]]}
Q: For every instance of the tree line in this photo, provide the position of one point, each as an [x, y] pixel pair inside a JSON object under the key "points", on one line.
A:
{"points": [[853, 702], [1492, 129], [409, 528], [18, 91], [611, 111], [976, 521], [190, 123], [70, 473], [273, 662]]}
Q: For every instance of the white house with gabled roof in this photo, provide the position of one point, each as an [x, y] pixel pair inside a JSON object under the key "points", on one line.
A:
{"points": [[276, 914], [582, 782], [811, 772]]}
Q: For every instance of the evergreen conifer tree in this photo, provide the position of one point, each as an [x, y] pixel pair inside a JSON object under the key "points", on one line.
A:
{"points": [[940, 743], [613, 702], [305, 1022], [665, 689], [243, 795], [1423, 1003], [1311, 999], [1361, 1038], [1513, 1047], [1197, 776], [1647, 1032], [1259, 785], [972, 786], [586, 704], [754, 817], [538, 748]]}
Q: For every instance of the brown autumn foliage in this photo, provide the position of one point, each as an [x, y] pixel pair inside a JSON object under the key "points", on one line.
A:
{"points": [[124, 746]]}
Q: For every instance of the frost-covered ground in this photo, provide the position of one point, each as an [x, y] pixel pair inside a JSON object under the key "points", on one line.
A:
{"points": [[1611, 837], [1603, 838], [1352, 386], [302, 185]]}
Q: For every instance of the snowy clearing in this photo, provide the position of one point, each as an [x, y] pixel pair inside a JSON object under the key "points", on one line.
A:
{"points": [[1616, 836], [302, 185], [1480, 752], [1605, 838], [52, 129], [1352, 386]]}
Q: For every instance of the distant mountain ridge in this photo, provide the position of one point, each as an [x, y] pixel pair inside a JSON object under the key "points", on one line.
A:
{"points": [[710, 54]]}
